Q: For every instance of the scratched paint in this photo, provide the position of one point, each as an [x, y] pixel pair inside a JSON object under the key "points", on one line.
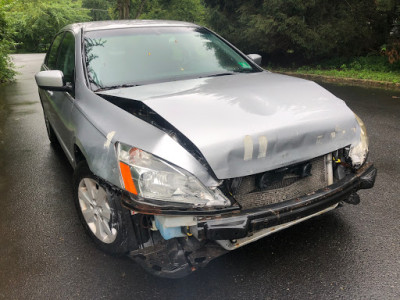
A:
{"points": [[109, 137]]}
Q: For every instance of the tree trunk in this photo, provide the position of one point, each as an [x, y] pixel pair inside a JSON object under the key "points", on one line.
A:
{"points": [[140, 9], [124, 9]]}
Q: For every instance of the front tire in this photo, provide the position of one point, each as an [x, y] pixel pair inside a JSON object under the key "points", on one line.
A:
{"points": [[100, 212]]}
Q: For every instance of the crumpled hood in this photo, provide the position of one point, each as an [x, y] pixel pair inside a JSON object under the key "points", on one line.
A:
{"points": [[250, 123]]}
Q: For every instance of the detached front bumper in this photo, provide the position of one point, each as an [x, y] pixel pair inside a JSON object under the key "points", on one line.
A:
{"points": [[217, 234], [248, 222]]}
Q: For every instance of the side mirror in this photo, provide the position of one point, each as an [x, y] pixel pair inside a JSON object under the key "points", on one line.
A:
{"points": [[256, 58], [52, 80]]}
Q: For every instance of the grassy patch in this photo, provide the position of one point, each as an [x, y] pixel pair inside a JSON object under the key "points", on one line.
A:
{"points": [[393, 77], [372, 68]]}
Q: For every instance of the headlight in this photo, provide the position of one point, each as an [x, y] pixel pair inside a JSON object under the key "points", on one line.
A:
{"points": [[358, 152], [152, 178]]}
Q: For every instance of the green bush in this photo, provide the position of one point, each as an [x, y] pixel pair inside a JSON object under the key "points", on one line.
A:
{"points": [[6, 71], [188, 10], [34, 23], [287, 31], [369, 67], [376, 63]]}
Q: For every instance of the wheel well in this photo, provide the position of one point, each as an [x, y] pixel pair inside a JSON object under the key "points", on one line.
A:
{"points": [[78, 155]]}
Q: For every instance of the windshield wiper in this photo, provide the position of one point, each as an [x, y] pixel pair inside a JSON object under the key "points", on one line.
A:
{"points": [[222, 74], [218, 74], [245, 71], [115, 87]]}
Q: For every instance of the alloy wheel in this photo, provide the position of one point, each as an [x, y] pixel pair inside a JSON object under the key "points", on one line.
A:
{"points": [[96, 210]]}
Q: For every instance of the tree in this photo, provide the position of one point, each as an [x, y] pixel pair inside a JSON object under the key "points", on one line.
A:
{"points": [[99, 9], [188, 10], [34, 23], [123, 7], [294, 30]]}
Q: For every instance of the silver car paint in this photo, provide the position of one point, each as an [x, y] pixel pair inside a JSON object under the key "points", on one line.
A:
{"points": [[97, 125], [250, 123], [121, 126], [242, 124], [58, 107]]}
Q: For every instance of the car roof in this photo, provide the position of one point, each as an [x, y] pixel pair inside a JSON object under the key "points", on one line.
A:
{"points": [[115, 24]]}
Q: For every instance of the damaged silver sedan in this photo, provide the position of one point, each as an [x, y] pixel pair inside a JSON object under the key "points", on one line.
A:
{"points": [[183, 148]]}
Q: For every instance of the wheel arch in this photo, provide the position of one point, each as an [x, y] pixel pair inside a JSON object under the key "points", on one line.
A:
{"points": [[101, 163], [78, 155]]}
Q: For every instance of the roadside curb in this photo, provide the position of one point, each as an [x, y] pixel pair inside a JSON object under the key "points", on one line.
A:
{"points": [[345, 81]]}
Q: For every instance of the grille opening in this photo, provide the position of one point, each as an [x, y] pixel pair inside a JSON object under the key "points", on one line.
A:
{"points": [[280, 185]]}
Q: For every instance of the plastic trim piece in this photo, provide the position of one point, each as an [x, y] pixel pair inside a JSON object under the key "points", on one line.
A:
{"points": [[248, 222]]}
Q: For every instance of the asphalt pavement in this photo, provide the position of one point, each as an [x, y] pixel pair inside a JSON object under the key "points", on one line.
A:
{"points": [[349, 253]]}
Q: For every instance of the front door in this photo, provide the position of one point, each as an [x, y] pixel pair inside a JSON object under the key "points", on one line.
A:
{"points": [[58, 105]]}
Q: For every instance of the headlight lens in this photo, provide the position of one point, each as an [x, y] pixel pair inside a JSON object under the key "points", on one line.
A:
{"points": [[358, 152], [156, 179]]}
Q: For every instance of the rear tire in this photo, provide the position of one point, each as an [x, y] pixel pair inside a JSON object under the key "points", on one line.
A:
{"points": [[100, 212]]}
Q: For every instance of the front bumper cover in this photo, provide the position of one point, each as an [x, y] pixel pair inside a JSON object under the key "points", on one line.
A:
{"points": [[250, 221]]}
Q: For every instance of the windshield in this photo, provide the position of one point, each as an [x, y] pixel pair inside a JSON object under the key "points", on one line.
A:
{"points": [[135, 56]]}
